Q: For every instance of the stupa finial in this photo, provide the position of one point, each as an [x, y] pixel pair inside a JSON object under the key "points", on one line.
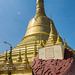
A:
{"points": [[65, 42], [40, 8], [52, 35], [58, 37], [52, 30]]}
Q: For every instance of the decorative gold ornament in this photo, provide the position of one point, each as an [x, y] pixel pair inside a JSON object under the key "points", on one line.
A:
{"points": [[59, 39], [19, 58], [65, 44], [52, 37]]}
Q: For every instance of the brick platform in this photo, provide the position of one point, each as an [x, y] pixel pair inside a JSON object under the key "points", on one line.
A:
{"points": [[55, 67], [71, 70]]}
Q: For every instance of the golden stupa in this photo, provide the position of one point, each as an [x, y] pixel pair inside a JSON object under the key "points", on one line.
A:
{"points": [[40, 31]]}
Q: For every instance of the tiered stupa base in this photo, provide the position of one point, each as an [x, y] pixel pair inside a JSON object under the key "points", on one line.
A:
{"points": [[55, 67]]}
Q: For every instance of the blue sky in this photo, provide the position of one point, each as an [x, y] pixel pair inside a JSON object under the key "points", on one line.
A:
{"points": [[15, 15]]}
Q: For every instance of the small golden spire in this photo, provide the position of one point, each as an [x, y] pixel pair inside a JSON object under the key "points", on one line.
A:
{"points": [[52, 32], [65, 44], [19, 58], [58, 39], [40, 8], [51, 26], [25, 61], [52, 35]]}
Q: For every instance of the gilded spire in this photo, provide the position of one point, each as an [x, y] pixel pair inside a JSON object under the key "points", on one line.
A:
{"points": [[65, 44], [25, 58], [40, 8], [26, 62], [19, 58], [59, 39], [52, 35], [52, 30]]}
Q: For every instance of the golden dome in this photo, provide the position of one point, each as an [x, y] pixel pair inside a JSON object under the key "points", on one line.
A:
{"points": [[40, 24]]}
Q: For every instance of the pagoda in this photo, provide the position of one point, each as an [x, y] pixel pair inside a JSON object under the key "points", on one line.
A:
{"points": [[41, 30]]}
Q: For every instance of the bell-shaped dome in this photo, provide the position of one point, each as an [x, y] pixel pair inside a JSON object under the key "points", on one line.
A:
{"points": [[40, 24]]}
